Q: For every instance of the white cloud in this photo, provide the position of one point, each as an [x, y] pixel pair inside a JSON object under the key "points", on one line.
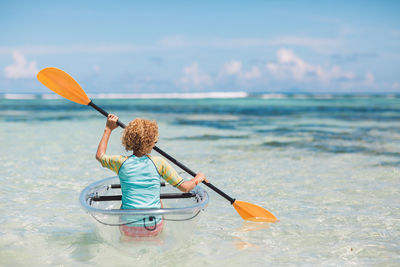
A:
{"points": [[230, 74], [233, 67], [253, 73], [289, 69], [365, 83], [194, 78], [369, 81], [20, 67], [334, 74], [291, 66]]}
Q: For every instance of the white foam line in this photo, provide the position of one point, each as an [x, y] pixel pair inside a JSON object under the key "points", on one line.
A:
{"points": [[19, 96], [172, 95], [274, 96], [50, 96]]}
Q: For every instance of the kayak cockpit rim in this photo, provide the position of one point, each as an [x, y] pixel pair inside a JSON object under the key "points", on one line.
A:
{"points": [[87, 194]]}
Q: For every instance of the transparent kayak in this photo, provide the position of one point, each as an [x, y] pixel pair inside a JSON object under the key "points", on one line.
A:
{"points": [[102, 200]]}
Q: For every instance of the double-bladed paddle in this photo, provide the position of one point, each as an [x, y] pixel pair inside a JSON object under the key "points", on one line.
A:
{"points": [[64, 85]]}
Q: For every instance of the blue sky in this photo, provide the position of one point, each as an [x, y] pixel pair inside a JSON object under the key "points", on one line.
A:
{"points": [[182, 46]]}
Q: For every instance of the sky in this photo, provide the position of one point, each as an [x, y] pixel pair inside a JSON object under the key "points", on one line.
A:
{"points": [[201, 46]]}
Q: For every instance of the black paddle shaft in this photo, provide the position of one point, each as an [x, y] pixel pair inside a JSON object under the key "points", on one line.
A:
{"points": [[166, 155], [162, 196], [105, 113]]}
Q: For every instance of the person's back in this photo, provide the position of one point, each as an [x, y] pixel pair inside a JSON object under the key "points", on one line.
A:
{"points": [[140, 183]]}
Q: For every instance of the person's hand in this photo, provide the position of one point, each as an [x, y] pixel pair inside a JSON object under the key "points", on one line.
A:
{"points": [[112, 122], [200, 177]]}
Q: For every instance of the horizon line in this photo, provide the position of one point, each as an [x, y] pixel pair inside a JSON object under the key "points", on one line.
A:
{"points": [[203, 95]]}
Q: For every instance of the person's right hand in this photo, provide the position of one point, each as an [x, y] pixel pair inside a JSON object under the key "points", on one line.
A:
{"points": [[111, 122], [200, 177]]}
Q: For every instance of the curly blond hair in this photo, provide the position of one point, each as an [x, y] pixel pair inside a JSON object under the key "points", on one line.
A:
{"points": [[140, 136]]}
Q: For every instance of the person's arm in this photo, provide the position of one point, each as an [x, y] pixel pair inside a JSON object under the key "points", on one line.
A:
{"points": [[170, 175], [188, 186], [110, 126]]}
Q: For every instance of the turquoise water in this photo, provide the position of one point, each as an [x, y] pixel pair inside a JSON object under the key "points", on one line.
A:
{"points": [[327, 168]]}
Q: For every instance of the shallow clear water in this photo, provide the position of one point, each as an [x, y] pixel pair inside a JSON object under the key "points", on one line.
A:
{"points": [[327, 168]]}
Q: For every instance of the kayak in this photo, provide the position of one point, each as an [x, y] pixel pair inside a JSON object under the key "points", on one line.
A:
{"points": [[102, 200]]}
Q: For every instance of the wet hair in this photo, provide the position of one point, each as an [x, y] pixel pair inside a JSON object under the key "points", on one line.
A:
{"points": [[140, 136]]}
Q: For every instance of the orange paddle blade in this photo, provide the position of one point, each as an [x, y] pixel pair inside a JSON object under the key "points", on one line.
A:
{"points": [[253, 212], [63, 84]]}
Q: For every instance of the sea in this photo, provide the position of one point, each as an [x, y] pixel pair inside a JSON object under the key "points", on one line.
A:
{"points": [[326, 165]]}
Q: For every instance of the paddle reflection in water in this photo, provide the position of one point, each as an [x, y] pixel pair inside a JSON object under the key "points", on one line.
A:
{"points": [[240, 235]]}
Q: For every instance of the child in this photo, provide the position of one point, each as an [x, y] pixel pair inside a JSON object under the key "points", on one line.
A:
{"points": [[140, 173]]}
